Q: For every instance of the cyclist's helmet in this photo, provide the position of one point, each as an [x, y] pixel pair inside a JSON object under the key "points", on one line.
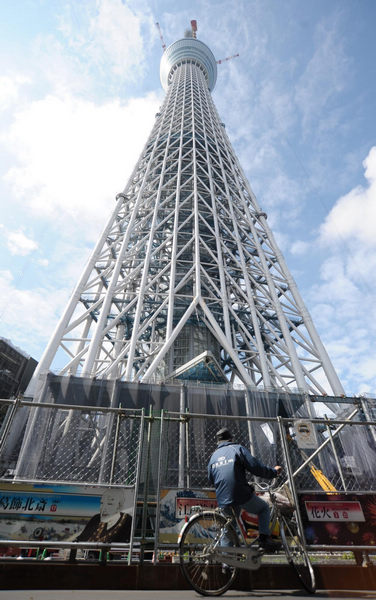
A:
{"points": [[223, 435]]}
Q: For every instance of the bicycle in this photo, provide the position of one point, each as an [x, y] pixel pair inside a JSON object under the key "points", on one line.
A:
{"points": [[210, 568]]}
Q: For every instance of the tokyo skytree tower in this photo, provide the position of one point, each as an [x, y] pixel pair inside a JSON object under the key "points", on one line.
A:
{"points": [[186, 280]]}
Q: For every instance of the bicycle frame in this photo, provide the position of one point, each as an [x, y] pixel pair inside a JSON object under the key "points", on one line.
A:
{"points": [[211, 567], [244, 556]]}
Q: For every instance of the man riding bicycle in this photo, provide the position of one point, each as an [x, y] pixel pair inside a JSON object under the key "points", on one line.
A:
{"points": [[227, 472]]}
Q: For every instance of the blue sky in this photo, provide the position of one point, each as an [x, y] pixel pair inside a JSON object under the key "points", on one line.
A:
{"points": [[79, 88]]}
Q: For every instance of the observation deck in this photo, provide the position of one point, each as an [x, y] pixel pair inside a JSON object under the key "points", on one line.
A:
{"points": [[188, 49]]}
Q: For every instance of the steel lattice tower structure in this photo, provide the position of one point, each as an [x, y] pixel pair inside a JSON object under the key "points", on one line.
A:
{"points": [[186, 280]]}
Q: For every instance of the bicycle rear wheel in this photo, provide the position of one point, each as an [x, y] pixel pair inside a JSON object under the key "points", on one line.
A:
{"points": [[296, 554], [199, 538]]}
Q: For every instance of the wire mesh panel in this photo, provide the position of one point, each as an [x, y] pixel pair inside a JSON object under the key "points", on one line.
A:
{"points": [[124, 452], [97, 444], [369, 408], [343, 458], [339, 456], [174, 453], [81, 445], [189, 443]]}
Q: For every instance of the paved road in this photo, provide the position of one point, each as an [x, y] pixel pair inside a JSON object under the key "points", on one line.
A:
{"points": [[177, 595]]}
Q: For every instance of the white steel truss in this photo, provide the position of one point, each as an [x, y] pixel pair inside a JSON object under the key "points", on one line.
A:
{"points": [[188, 264]]}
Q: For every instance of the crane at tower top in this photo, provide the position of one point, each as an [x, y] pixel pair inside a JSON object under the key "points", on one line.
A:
{"points": [[227, 58], [194, 35], [192, 32], [161, 36]]}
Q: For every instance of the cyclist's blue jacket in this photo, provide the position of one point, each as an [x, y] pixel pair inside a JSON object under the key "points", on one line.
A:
{"points": [[227, 472]]}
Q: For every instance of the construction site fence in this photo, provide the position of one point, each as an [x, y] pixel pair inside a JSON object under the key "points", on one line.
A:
{"points": [[151, 452]]}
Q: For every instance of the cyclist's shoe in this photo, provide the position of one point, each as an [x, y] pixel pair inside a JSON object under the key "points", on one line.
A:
{"points": [[267, 544]]}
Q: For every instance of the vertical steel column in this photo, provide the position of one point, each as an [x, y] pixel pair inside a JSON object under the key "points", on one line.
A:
{"points": [[196, 256], [290, 475], [249, 422], [171, 292]]}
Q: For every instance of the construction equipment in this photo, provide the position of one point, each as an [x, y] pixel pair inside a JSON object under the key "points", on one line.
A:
{"points": [[227, 58], [161, 36], [322, 480]]}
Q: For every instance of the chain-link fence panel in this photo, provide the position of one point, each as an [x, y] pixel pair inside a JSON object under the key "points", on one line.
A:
{"points": [[342, 457], [189, 442], [174, 453], [124, 452], [337, 456], [102, 445], [11, 436], [79, 445]]}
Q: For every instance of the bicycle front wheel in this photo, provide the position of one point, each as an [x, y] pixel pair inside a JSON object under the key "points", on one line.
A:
{"points": [[296, 554], [199, 539]]}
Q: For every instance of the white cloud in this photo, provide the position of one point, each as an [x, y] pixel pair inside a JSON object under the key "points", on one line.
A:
{"points": [[345, 309], [299, 247], [9, 90], [354, 215], [18, 243], [74, 156], [324, 77], [107, 35], [23, 311], [339, 286], [116, 37], [43, 262], [344, 312]]}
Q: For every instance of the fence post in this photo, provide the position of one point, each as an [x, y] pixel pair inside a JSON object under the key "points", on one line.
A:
{"points": [[188, 453], [137, 484], [158, 491], [339, 467], [181, 479], [116, 441], [291, 479], [146, 486]]}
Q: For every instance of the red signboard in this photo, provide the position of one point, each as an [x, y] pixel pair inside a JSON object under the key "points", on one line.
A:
{"points": [[318, 510], [339, 519], [184, 505]]}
